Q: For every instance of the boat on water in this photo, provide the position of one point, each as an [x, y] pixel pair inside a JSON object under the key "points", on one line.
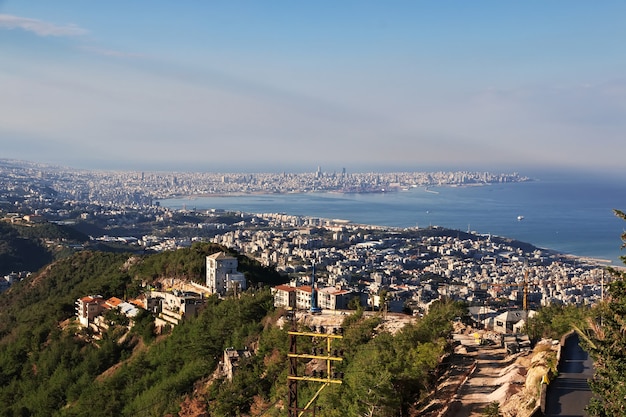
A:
{"points": [[520, 218]]}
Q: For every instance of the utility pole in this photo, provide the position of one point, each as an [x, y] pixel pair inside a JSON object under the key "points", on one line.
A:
{"points": [[602, 287], [325, 378], [525, 293]]}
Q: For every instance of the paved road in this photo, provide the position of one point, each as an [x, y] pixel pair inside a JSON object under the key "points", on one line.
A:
{"points": [[569, 393]]}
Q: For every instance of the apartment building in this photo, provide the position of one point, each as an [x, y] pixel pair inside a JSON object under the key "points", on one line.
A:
{"points": [[222, 274], [328, 298]]}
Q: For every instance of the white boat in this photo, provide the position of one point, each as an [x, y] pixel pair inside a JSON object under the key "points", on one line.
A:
{"points": [[520, 218]]}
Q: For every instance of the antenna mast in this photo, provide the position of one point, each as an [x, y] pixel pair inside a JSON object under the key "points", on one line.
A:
{"points": [[314, 307]]}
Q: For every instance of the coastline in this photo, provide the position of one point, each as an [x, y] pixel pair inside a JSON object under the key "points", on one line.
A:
{"points": [[426, 188], [589, 260], [583, 259], [560, 216]]}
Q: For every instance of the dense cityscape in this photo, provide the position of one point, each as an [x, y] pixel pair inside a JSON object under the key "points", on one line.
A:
{"points": [[22, 180], [414, 266], [329, 267]]}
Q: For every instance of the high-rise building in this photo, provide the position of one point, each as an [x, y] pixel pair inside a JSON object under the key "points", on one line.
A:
{"points": [[222, 274]]}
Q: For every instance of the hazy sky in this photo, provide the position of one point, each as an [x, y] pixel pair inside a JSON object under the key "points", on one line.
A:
{"points": [[290, 85]]}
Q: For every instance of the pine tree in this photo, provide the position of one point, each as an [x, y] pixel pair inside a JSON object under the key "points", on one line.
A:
{"points": [[608, 348]]}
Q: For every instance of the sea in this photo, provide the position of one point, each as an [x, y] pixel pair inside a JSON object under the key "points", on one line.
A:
{"points": [[566, 214]]}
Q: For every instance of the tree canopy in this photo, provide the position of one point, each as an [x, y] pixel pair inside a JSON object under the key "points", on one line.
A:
{"points": [[19, 252], [607, 346], [49, 366]]}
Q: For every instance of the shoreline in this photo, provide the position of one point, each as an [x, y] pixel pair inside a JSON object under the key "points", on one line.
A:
{"points": [[585, 259], [306, 204], [425, 188]]}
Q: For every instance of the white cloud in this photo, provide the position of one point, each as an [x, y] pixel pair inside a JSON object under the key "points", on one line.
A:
{"points": [[39, 27]]}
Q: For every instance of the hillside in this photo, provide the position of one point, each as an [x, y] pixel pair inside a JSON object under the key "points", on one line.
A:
{"points": [[29, 247], [44, 366], [18, 253], [49, 366]]}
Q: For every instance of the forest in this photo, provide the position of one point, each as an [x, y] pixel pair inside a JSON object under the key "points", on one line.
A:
{"points": [[49, 366], [21, 247]]}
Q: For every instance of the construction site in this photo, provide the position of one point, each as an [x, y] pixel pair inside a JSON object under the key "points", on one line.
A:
{"points": [[485, 367]]}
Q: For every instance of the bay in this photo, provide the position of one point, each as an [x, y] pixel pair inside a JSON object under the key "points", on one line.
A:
{"points": [[569, 215]]}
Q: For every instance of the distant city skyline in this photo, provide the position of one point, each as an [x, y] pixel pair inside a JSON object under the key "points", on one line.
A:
{"points": [[241, 86]]}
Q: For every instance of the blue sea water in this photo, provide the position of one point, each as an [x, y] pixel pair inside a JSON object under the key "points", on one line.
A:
{"points": [[573, 216]]}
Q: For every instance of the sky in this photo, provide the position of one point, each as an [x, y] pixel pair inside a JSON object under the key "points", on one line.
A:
{"points": [[272, 86]]}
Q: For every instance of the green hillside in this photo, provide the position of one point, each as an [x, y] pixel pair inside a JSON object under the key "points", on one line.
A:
{"points": [[28, 247], [18, 253], [50, 367]]}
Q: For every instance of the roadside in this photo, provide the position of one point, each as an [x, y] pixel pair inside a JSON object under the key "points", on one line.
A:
{"points": [[481, 373], [495, 378]]}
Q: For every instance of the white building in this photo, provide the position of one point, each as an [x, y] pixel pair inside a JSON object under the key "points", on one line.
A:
{"points": [[173, 307], [299, 298], [285, 296], [334, 298], [88, 308], [511, 321], [222, 274], [232, 357]]}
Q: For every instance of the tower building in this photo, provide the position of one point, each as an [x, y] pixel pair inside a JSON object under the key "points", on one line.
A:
{"points": [[222, 274]]}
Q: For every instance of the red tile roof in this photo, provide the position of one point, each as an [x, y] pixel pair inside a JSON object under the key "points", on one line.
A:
{"points": [[114, 301], [287, 288], [305, 288]]}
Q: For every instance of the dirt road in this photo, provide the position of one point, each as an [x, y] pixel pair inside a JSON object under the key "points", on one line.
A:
{"points": [[479, 375], [488, 382]]}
